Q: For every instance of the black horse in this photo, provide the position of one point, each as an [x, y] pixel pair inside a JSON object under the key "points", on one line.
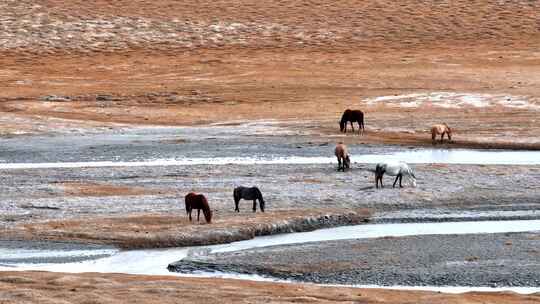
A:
{"points": [[352, 116], [246, 193]]}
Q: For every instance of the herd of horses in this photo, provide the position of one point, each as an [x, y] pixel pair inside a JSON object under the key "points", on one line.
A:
{"points": [[391, 168]]}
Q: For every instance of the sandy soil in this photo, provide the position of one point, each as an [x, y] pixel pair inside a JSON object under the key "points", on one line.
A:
{"points": [[43, 287], [212, 62]]}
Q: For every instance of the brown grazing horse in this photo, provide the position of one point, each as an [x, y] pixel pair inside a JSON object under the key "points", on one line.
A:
{"points": [[344, 162], [352, 116], [440, 129], [198, 201]]}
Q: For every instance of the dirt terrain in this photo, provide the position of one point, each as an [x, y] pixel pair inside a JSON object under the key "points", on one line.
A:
{"points": [[75, 68], [46, 287], [164, 63]]}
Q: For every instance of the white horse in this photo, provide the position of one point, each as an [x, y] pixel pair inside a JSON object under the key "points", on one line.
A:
{"points": [[397, 169]]}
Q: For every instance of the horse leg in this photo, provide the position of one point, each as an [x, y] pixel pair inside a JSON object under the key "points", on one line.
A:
{"points": [[189, 214], [338, 163], [400, 178], [442, 136], [261, 205], [433, 136], [254, 205], [198, 214], [352, 126], [236, 201], [394, 185]]}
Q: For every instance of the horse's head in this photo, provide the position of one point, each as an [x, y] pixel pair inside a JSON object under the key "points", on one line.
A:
{"points": [[342, 125], [207, 215], [412, 178]]}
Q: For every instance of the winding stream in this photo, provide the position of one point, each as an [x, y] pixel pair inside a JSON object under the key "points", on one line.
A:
{"points": [[155, 261]]}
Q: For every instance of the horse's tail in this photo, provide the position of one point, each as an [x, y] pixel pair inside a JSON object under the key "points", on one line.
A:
{"points": [[206, 209]]}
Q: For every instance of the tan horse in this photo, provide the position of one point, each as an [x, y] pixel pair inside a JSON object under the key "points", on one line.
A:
{"points": [[441, 129], [344, 162]]}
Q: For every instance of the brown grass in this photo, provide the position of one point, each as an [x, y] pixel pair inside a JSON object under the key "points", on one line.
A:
{"points": [[45, 287], [155, 230], [100, 189]]}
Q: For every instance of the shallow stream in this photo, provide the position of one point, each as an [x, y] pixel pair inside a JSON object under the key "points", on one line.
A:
{"points": [[155, 261]]}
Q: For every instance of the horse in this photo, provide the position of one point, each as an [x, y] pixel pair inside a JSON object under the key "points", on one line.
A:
{"points": [[198, 201], [246, 193], [397, 169], [344, 162], [440, 129], [352, 116]]}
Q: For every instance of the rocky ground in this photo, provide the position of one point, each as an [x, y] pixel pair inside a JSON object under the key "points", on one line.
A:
{"points": [[142, 206], [432, 260]]}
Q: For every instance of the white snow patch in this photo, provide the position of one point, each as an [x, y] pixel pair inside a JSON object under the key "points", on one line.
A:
{"points": [[454, 100]]}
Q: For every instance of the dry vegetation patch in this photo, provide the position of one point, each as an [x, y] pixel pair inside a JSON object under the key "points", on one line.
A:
{"points": [[154, 231]]}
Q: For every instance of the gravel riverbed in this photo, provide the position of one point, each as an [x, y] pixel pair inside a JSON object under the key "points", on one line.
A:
{"points": [[492, 260]]}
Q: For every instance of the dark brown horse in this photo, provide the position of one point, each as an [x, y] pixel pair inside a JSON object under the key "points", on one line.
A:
{"points": [[352, 116], [344, 162], [198, 201], [246, 193]]}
